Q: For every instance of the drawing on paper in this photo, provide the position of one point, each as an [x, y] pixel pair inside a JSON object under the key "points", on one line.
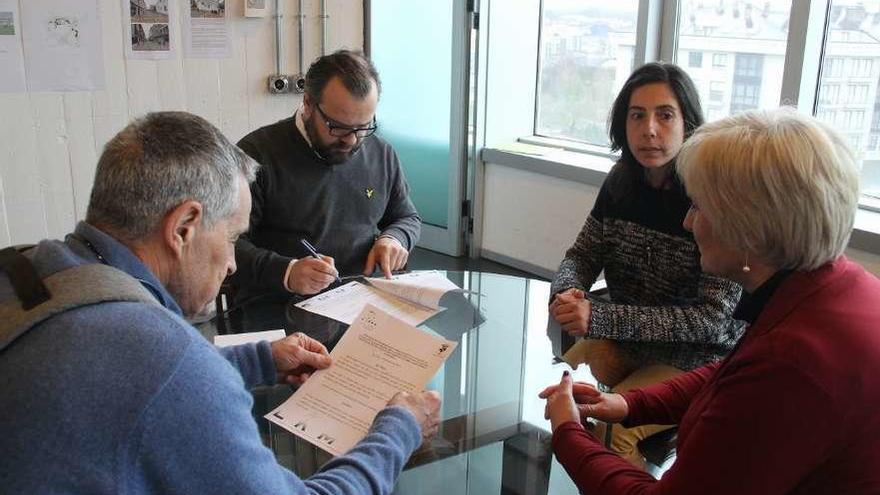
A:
{"points": [[256, 4], [7, 24], [149, 11], [63, 31], [207, 8]]}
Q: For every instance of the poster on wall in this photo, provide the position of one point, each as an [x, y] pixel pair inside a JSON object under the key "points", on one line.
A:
{"points": [[256, 8], [206, 31], [148, 29], [62, 45], [11, 58]]}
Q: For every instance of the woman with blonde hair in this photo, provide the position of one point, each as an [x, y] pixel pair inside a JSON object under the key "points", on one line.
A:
{"points": [[793, 409]]}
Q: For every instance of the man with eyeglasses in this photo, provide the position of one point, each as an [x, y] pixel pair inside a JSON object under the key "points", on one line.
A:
{"points": [[326, 179]]}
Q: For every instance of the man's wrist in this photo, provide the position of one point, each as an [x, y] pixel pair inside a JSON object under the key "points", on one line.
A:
{"points": [[287, 275], [389, 236]]}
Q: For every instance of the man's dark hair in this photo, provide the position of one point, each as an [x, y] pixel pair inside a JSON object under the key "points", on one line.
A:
{"points": [[354, 69], [654, 72]]}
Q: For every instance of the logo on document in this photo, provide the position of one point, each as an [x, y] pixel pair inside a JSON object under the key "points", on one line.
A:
{"points": [[369, 193], [442, 350]]}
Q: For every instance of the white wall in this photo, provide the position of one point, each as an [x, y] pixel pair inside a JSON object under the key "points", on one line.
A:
{"points": [[530, 219], [50, 142]]}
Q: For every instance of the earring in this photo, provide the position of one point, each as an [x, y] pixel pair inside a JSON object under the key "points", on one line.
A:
{"points": [[746, 268]]}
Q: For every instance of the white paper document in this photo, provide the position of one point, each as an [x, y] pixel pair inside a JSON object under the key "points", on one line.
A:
{"points": [[425, 288], [206, 34], [248, 337], [411, 297], [377, 357], [256, 8], [62, 45], [11, 58]]}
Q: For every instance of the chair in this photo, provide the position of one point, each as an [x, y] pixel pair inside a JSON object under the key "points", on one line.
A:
{"points": [[659, 451], [223, 302]]}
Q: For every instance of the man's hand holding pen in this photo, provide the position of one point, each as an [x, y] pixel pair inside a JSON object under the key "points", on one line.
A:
{"points": [[310, 275]]}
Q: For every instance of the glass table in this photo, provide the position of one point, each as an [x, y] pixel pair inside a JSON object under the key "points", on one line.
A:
{"points": [[494, 438]]}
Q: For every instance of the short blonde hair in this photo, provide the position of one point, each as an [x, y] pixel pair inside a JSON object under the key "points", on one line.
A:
{"points": [[776, 183]]}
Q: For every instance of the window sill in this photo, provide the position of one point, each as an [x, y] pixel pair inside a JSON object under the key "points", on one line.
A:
{"points": [[585, 168], [589, 167]]}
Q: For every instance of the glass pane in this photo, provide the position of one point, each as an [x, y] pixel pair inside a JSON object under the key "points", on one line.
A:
{"points": [[848, 96], [415, 124], [734, 51], [586, 54]]}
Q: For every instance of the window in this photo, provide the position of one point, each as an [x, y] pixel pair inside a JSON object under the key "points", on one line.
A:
{"points": [[833, 67], [734, 50], [753, 39], [853, 119], [854, 140], [587, 54], [857, 93], [745, 97], [861, 67], [829, 94], [716, 91], [849, 81], [748, 65], [719, 60]]}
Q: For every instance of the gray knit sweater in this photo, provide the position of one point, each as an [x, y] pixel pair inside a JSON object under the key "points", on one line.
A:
{"points": [[662, 308], [340, 209]]}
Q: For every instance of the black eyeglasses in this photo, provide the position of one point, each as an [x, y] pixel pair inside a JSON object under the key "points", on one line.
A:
{"points": [[339, 130]]}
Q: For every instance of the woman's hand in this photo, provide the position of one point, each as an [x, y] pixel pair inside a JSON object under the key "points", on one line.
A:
{"points": [[571, 309], [561, 407], [589, 402]]}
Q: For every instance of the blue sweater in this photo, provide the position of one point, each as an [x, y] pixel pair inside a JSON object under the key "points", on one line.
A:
{"points": [[129, 398]]}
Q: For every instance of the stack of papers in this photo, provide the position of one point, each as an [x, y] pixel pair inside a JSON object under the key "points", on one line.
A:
{"points": [[410, 297]]}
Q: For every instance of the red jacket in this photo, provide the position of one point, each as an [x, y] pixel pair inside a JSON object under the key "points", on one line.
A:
{"points": [[794, 409]]}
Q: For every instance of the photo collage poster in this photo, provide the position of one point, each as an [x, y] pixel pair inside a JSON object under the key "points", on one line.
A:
{"points": [[148, 28]]}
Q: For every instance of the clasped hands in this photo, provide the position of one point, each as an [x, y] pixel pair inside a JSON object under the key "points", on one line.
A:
{"points": [[576, 401], [571, 309], [311, 275]]}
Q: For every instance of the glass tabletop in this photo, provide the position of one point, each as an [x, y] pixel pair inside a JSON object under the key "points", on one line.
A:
{"points": [[494, 438]]}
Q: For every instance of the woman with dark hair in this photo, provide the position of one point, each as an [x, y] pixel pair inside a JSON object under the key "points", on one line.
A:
{"points": [[793, 409], [665, 316]]}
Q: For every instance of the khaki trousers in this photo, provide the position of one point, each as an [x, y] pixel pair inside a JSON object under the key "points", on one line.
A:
{"points": [[613, 368]]}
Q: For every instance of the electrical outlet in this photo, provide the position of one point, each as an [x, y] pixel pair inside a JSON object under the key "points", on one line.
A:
{"points": [[279, 84], [299, 84]]}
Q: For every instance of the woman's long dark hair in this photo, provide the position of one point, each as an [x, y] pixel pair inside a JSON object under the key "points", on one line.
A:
{"points": [[688, 101], [654, 72]]}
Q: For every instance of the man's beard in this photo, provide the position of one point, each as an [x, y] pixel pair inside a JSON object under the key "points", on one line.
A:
{"points": [[333, 154]]}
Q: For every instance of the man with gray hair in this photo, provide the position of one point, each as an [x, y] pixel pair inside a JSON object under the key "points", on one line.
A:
{"points": [[107, 389], [326, 179]]}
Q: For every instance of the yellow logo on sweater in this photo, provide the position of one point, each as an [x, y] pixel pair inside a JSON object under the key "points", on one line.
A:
{"points": [[369, 193]]}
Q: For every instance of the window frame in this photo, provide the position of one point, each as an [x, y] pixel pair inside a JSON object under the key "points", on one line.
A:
{"points": [[657, 29], [510, 112], [505, 80]]}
